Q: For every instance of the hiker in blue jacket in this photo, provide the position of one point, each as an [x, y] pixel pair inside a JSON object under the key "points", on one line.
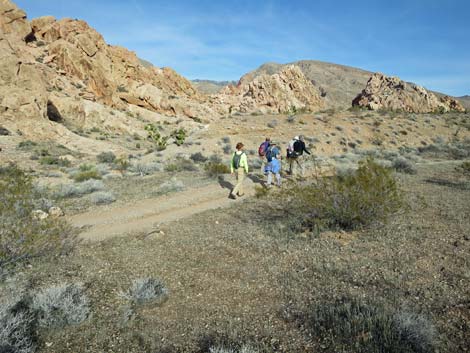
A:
{"points": [[273, 156]]}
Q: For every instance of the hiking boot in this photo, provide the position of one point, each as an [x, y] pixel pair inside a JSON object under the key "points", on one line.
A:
{"points": [[232, 196]]}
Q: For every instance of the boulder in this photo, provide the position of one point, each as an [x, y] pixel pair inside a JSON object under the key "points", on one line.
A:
{"points": [[391, 93], [56, 212]]}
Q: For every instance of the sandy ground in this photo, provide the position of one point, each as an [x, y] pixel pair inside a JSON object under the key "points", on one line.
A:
{"points": [[146, 215]]}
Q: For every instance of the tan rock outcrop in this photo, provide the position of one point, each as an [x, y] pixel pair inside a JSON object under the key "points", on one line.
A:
{"points": [[277, 93], [391, 93]]}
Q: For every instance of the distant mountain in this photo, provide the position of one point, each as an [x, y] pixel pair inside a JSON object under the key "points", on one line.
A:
{"points": [[339, 84], [465, 100], [210, 86]]}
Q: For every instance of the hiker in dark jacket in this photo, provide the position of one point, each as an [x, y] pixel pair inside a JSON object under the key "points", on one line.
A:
{"points": [[296, 157]]}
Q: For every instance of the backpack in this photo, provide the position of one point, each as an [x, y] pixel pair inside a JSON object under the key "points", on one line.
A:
{"points": [[236, 160], [298, 148], [269, 154], [263, 148]]}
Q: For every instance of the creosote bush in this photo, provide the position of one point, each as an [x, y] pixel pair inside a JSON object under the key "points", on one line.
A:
{"points": [[368, 195], [22, 236], [214, 169]]}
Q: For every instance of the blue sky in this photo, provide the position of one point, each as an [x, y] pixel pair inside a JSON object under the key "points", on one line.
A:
{"points": [[427, 42]]}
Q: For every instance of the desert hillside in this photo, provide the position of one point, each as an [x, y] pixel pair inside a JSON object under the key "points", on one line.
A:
{"points": [[119, 230], [210, 86]]}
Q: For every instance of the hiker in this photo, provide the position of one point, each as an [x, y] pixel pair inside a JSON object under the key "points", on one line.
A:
{"points": [[274, 166], [294, 154], [263, 148], [239, 165]]}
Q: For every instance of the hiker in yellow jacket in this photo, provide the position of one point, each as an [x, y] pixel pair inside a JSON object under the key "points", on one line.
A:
{"points": [[239, 165]]}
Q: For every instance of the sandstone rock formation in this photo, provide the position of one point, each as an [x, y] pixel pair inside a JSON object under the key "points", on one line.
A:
{"points": [[391, 93], [278, 93]]}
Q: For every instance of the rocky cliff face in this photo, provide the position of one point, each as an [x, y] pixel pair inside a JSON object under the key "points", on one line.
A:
{"points": [[391, 93], [277, 93], [22, 84]]}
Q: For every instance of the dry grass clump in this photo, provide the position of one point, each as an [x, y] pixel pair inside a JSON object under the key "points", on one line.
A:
{"points": [[198, 157], [146, 290], [106, 157], [79, 189], [215, 169], [61, 305], [181, 164], [403, 165], [102, 198], [142, 168], [17, 328], [22, 236], [172, 185], [353, 325]]}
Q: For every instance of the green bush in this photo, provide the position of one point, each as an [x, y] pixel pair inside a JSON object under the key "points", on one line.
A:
{"points": [[155, 136], [179, 136], [22, 236], [87, 172], [214, 169], [369, 195], [351, 325], [464, 167]]}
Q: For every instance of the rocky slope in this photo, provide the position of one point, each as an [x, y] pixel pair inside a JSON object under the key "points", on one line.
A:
{"points": [[465, 101], [391, 93], [281, 92], [338, 84], [63, 71]]}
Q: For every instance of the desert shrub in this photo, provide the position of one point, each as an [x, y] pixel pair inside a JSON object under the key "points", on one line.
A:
{"points": [[352, 325], [62, 305], [26, 145], [102, 198], [106, 157], [49, 160], [79, 189], [22, 236], [215, 158], [17, 328], [369, 195], [181, 164], [87, 175], [226, 139], [464, 167], [291, 119], [179, 136], [272, 124], [172, 185], [227, 149], [121, 164], [214, 169], [403, 165], [154, 135], [146, 290], [142, 168], [198, 157]]}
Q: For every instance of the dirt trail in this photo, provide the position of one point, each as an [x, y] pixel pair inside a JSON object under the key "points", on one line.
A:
{"points": [[144, 215]]}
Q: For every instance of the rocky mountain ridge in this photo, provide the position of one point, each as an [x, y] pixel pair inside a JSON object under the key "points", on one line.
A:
{"points": [[391, 93]]}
